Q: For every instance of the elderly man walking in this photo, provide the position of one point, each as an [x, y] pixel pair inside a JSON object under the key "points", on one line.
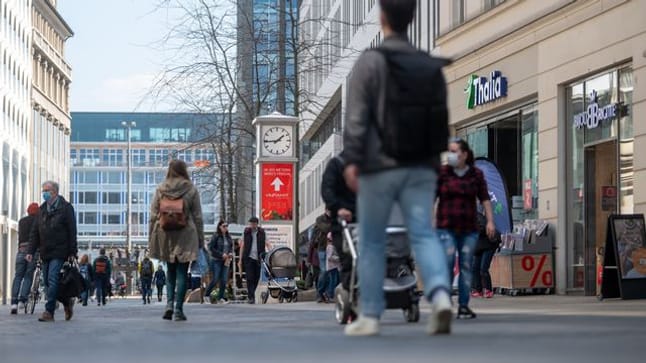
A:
{"points": [[54, 233]]}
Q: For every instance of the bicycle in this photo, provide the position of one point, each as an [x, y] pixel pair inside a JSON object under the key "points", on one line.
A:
{"points": [[34, 294]]}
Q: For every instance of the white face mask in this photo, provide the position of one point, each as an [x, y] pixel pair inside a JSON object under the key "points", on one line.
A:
{"points": [[452, 159]]}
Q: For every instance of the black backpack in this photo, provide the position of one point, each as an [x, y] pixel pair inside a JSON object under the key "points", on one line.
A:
{"points": [[147, 269], [416, 116]]}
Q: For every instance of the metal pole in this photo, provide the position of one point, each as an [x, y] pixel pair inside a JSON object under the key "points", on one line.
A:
{"points": [[5, 260], [128, 237]]}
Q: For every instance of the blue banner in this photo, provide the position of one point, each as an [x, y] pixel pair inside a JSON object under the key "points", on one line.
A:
{"points": [[497, 193]]}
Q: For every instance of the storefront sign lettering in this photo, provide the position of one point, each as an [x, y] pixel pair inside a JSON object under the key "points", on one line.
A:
{"points": [[595, 114], [481, 90]]}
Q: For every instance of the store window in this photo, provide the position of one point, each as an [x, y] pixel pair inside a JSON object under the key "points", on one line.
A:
{"points": [[510, 140], [599, 160]]}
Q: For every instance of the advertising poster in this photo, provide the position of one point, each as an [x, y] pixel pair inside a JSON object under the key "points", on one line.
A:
{"points": [[631, 246], [277, 186], [279, 235]]}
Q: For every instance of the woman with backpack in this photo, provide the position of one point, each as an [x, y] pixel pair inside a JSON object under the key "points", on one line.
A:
{"points": [[220, 248], [459, 184], [176, 233]]}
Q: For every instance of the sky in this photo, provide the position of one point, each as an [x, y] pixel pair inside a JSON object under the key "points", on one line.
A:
{"points": [[113, 54]]}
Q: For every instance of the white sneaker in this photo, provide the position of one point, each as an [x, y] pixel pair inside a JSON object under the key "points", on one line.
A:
{"points": [[364, 326], [222, 301], [440, 319], [21, 306], [14, 309]]}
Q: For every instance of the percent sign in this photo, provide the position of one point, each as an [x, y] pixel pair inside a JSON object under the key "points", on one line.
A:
{"points": [[528, 265]]}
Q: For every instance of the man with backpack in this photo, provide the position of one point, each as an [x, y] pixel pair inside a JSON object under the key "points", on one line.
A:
{"points": [[396, 128], [146, 272], [102, 271], [159, 280]]}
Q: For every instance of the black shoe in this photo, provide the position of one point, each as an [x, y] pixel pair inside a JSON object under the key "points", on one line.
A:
{"points": [[168, 314], [465, 313], [149, 299], [179, 316], [251, 301]]}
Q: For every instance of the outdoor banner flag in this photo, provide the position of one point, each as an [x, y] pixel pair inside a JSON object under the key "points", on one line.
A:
{"points": [[497, 194]]}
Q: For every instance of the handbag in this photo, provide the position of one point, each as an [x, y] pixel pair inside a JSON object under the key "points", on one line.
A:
{"points": [[70, 281]]}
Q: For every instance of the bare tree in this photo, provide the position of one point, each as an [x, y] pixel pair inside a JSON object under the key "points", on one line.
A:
{"points": [[208, 70]]}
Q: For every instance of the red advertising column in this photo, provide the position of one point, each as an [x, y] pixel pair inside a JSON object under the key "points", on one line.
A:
{"points": [[276, 201]]}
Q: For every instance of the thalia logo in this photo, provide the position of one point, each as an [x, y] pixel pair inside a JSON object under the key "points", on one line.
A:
{"points": [[595, 114], [481, 90]]}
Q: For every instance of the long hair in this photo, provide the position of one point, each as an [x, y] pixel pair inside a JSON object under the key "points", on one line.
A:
{"points": [[85, 259], [464, 147], [177, 169], [218, 231]]}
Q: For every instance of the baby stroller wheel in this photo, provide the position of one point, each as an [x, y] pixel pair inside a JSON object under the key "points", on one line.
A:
{"points": [[343, 311], [295, 297], [281, 299], [412, 313], [264, 296]]}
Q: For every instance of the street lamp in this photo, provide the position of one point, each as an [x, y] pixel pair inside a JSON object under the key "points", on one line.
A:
{"points": [[129, 125]]}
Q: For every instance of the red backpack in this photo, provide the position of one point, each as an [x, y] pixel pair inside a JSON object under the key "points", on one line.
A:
{"points": [[171, 214]]}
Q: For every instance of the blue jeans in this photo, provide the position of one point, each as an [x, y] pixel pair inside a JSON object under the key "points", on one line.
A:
{"points": [[332, 281], [51, 272], [177, 276], [481, 265], [101, 285], [146, 287], [220, 274], [23, 278], [322, 285], [414, 190], [465, 243]]}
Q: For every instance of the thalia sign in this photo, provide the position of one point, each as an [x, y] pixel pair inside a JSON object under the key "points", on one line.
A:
{"points": [[595, 114], [481, 90]]}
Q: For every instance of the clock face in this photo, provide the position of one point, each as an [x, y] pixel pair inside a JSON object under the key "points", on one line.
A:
{"points": [[277, 140]]}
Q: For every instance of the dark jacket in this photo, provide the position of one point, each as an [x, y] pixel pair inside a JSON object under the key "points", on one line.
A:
{"points": [[484, 243], [322, 227], [108, 266], [366, 106], [24, 230], [335, 191], [219, 245], [248, 238], [54, 231], [160, 278]]}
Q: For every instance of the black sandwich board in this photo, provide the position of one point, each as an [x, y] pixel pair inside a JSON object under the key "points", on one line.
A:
{"points": [[624, 267]]}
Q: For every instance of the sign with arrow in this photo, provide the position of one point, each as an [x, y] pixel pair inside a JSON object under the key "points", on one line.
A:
{"points": [[277, 191]]}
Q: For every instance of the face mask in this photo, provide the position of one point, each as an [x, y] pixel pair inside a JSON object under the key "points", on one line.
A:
{"points": [[47, 196], [452, 159]]}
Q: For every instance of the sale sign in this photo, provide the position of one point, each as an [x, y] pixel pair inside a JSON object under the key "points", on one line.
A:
{"points": [[277, 187]]}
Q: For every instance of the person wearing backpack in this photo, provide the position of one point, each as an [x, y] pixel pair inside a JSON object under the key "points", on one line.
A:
{"points": [[159, 280], [85, 268], [102, 268], [146, 272], [396, 129], [176, 232]]}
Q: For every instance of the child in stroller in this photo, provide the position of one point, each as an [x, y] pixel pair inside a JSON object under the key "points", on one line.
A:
{"points": [[280, 266], [400, 284]]}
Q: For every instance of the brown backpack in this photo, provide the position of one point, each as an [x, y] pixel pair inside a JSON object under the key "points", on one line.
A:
{"points": [[171, 214]]}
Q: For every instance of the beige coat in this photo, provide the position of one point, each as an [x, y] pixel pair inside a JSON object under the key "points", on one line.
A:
{"points": [[181, 245]]}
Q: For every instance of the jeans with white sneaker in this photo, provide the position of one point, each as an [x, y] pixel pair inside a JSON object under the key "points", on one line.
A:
{"points": [[413, 189]]}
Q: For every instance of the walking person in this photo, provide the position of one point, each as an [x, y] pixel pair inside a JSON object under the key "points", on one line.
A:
{"points": [[322, 227], [485, 249], [333, 265], [160, 281], [176, 233], [396, 128], [85, 268], [146, 272], [459, 185], [254, 245], [24, 272], [342, 203], [102, 268], [220, 249], [54, 233]]}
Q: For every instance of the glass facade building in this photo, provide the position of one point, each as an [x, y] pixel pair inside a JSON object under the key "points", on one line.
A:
{"points": [[99, 178]]}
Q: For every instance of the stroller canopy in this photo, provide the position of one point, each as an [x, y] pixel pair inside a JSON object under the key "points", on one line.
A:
{"points": [[282, 262]]}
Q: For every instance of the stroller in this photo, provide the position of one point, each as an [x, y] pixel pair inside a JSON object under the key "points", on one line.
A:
{"points": [[400, 283], [280, 266]]}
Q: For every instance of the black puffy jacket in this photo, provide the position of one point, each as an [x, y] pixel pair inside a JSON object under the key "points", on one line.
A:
{"points": [[54, 231]]}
